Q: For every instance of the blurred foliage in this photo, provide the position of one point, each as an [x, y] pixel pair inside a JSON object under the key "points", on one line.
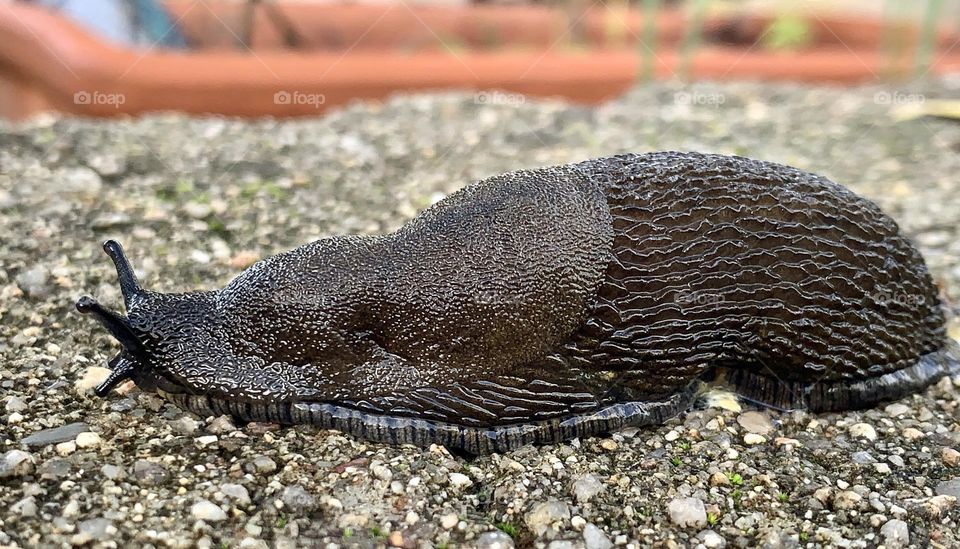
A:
{"points": [[788, 32]]}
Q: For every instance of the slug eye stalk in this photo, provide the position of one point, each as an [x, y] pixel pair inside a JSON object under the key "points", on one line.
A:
{"points": [[117, 325], [129, 285], [124, 364]]}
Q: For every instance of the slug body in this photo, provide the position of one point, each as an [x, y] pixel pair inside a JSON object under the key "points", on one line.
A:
{"points": [[547, 304]]}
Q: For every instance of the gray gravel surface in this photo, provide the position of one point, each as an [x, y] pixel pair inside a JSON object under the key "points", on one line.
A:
{"points": [[196, 200]]}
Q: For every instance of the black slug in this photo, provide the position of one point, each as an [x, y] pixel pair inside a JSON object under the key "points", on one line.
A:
{"points": [[553, 303]]}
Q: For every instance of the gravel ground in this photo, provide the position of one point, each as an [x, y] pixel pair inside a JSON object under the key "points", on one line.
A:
{"points": [[196, 200]]}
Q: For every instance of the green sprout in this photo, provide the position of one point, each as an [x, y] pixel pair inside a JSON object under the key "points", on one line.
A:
{"points": [[507, 528], [787, 32]]}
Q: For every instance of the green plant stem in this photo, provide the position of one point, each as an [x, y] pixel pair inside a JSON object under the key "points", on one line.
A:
{"points": [[928, 37], [648, 45], [691, 39]]}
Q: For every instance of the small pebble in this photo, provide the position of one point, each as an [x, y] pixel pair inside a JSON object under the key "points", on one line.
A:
{"points": [[460, 481], [55, 435], [712, 540], [112, 472], [896, 533], [236, 492], [949, 488], [221, 425], [264, 465], [752, 439], [755, 422], [863, 430], [149, 473], [494, 539], [688, 512], [298, 500], [897, 410], [185, 425], [912, 434], [543, 515], [595, 538], [847, 499], [66, 448], [15, 404], [449, 521], [91, 378], [207, 511], [586, 487], [26, 507], [16, 463], [88, 440]]}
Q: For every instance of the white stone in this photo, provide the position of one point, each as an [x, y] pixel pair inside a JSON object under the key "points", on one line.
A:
{"points": [[863, 430], [236, 492], [542, 516], [382, 472], [449, 521], [688, 512], [207, 511], [911, 433], [92, 376], [15, 404], [847, 499], [755, 422], [586, 487], [897, 410], [594, 538], [752, 439], [895, 533], [460, 481], [88, 440], [712, 540], [16, 463]]}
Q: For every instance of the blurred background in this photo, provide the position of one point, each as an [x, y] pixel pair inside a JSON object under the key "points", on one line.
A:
{"points": [[205, 135], [296, 57]]}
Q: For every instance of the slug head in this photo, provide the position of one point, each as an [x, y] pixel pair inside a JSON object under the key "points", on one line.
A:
{"points": [[152, 328]]}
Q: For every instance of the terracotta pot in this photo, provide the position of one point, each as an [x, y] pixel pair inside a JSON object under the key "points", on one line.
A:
{"points": [[400, 27], [48, 63]]}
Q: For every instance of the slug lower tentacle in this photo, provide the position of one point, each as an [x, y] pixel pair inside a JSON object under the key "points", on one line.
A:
{"points": [[553, 303]]}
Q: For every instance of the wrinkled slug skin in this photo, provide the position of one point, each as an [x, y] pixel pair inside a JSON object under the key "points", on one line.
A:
{"points": [[559, 302]]}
